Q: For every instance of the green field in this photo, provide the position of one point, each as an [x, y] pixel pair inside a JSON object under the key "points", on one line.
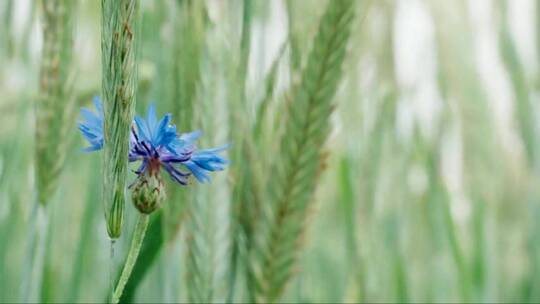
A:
{"points": [[379, 151]]}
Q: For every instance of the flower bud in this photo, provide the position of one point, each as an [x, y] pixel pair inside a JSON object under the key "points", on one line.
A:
{"points": [[148, 192]]}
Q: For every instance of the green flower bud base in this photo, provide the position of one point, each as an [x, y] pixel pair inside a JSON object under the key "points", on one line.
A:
{"points": [[148, 192]]}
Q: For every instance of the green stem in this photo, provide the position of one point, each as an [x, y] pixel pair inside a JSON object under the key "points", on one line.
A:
{"points": [[35, 254], [136, 242]]}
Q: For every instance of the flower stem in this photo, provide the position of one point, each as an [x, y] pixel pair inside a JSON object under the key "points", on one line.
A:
{"points": [[111, 270], [136, 242]]}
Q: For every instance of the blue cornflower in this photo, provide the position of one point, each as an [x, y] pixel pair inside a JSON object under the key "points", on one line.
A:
{"points": [[153, 144], [92, 127], [157, 145]]}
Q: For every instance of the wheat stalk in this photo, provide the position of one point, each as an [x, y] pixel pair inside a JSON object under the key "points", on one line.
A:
{"points": [[54, 109], [241, 175], [182, 69], [54, 114], [200, 257], [7, 36], [295, 174], [523, 110], [185, 61], [118, 90], [201, 227]]}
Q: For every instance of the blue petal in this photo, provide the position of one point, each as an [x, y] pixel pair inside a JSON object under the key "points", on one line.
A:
{"points": [[214, 150], [177, 175], [198, 172], [91, 126], [142, 127], [157, 133], [97, 103], [151, 118], [91, 149], [91, 117], [189, 138], [160, 132], [204, 161], [210, 164]]}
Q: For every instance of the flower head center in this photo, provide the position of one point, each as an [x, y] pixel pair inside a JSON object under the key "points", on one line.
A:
{"points": [[154, 166]]}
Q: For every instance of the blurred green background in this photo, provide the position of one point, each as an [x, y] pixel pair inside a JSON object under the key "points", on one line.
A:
{"points": [[430, 189]]}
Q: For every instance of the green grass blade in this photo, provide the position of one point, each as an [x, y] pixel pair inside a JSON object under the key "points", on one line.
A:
{"points": [[347, 199], [523, 105], [86, 237]]}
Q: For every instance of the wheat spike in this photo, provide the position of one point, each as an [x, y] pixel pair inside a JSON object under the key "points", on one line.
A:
{"points": [[295, 173], [54, 110], [118, 85]]}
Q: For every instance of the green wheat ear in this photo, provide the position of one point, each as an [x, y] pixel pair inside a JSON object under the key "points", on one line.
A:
{"points": [[55, 108], [301, 153], [185, 72], [118, 85]]}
